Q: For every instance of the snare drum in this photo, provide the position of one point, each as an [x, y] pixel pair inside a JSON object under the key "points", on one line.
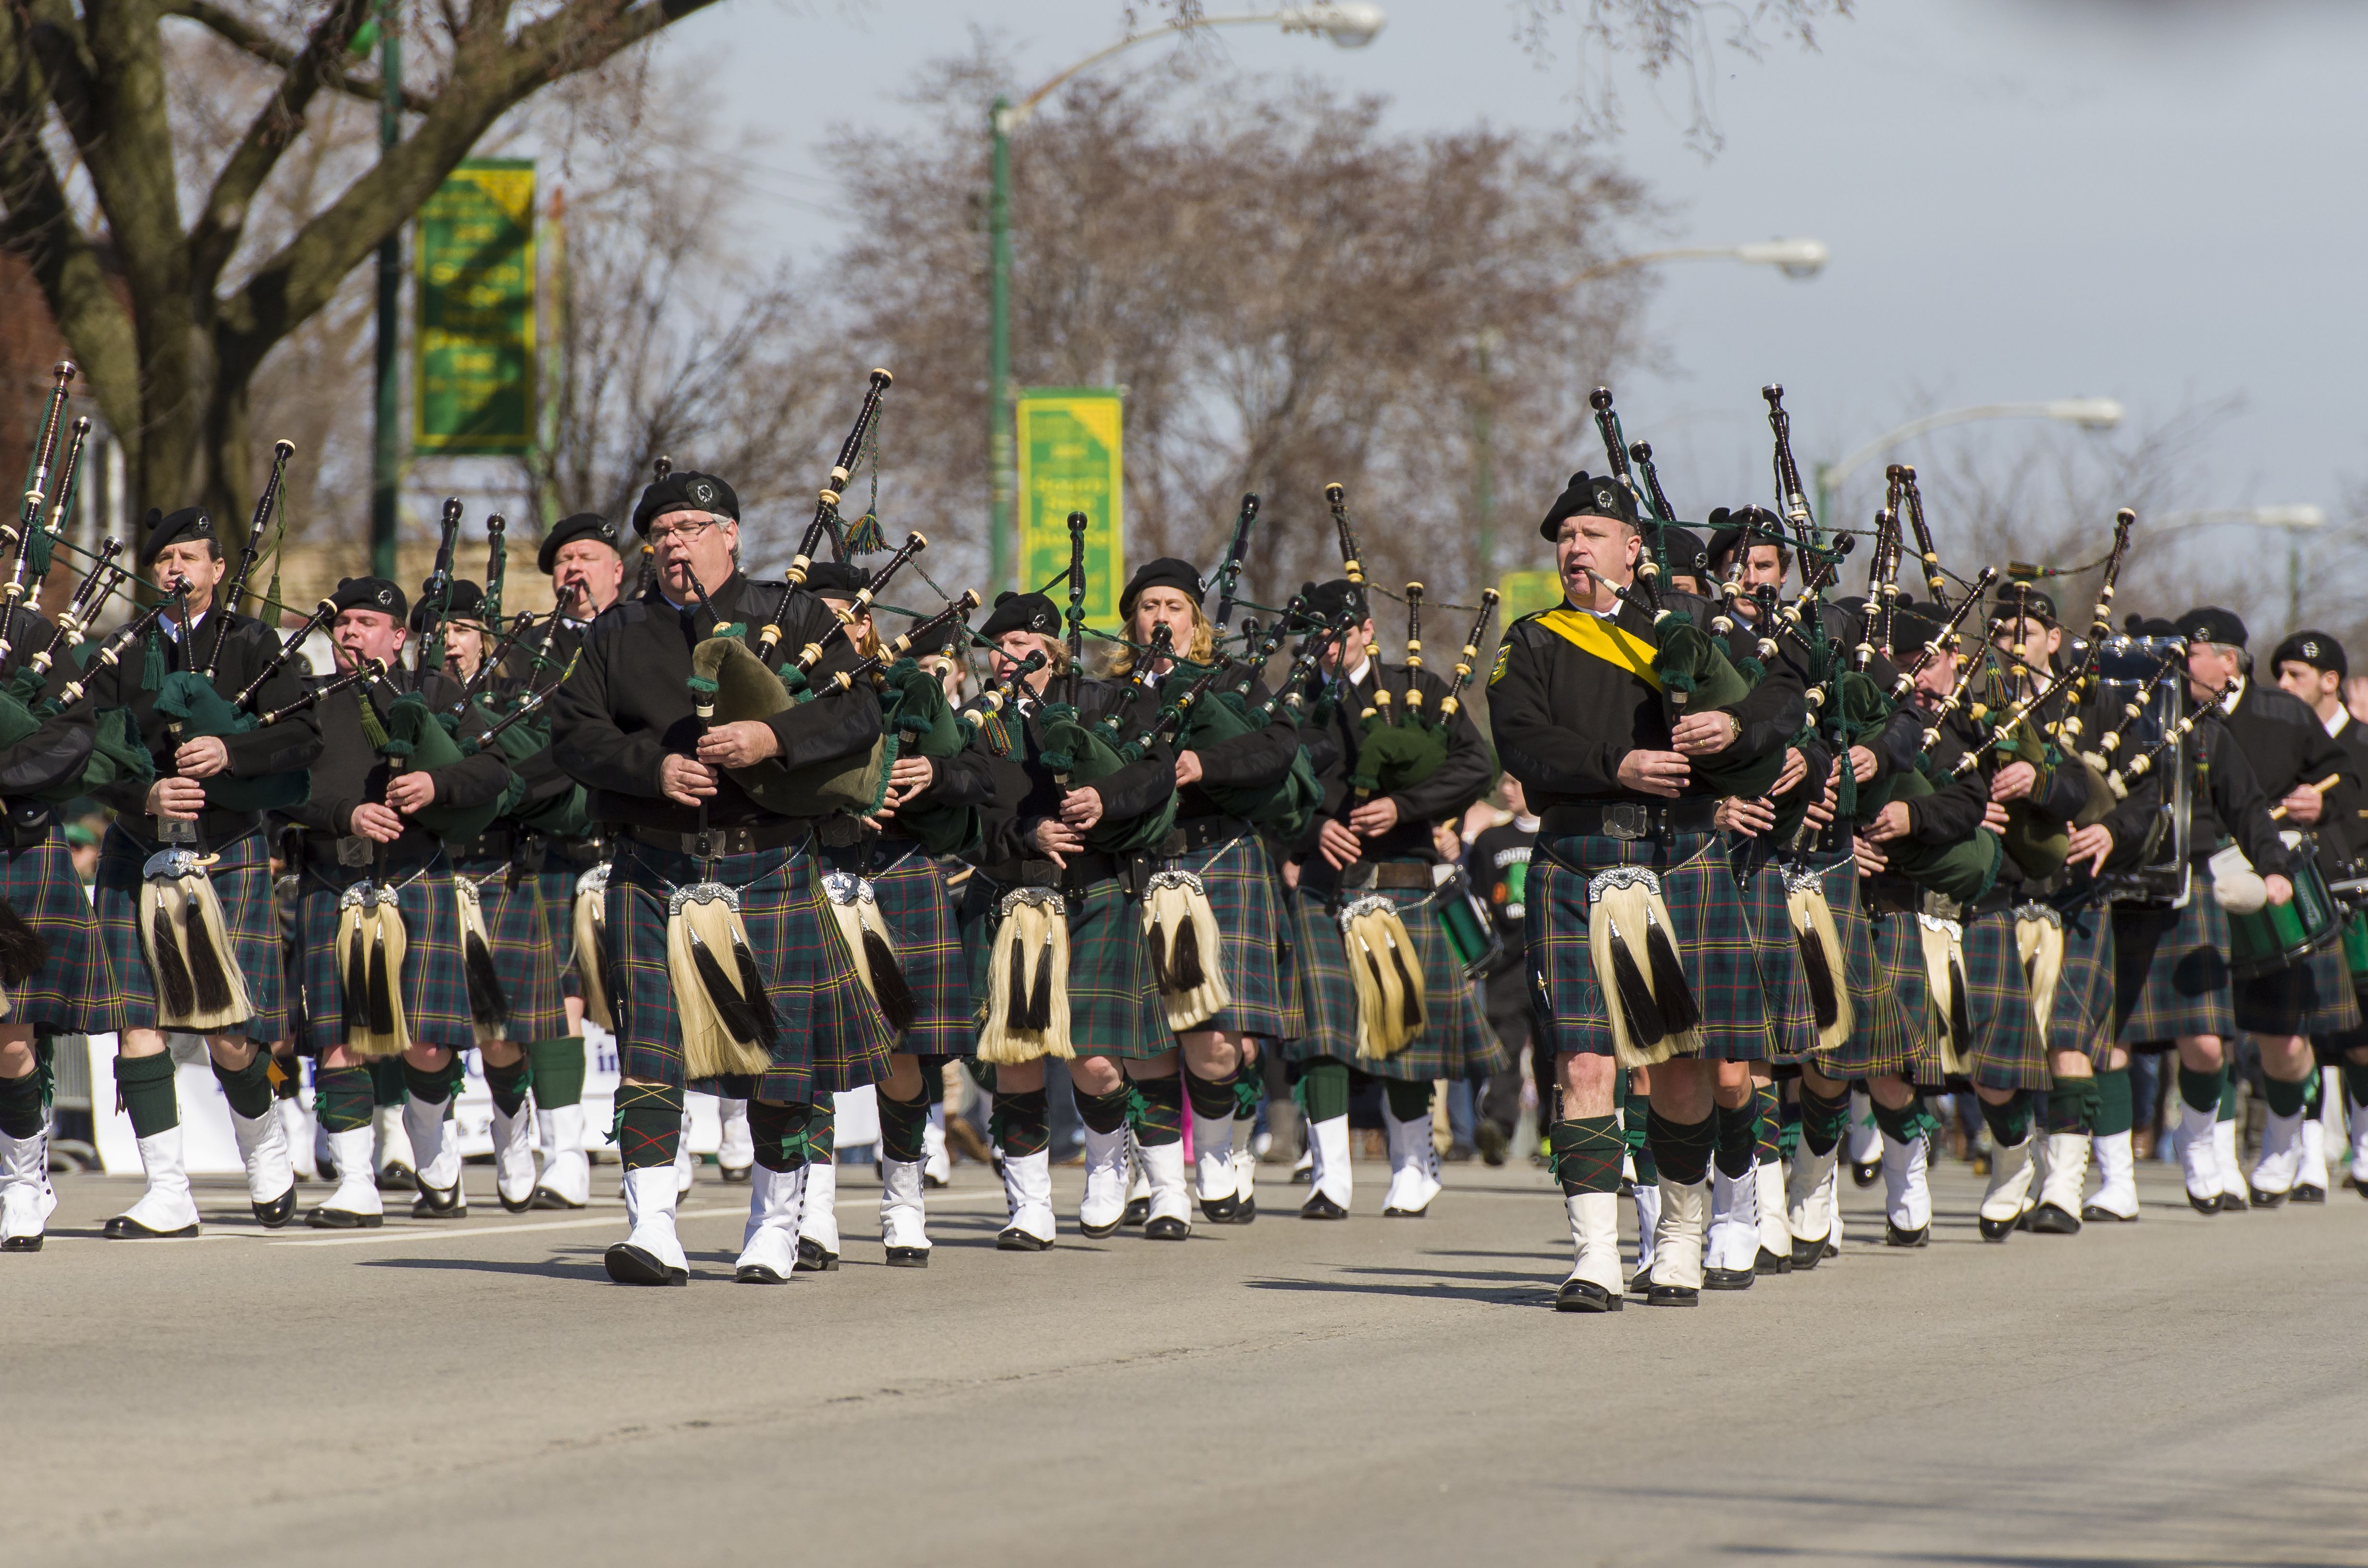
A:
{"points": [[2355, 946], [1471, 931], [2277, 935]]}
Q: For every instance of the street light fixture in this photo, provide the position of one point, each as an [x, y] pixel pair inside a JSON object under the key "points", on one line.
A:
{"points": [[2097, 414], [2292, 519], [1798, 259], [1350, 24]]}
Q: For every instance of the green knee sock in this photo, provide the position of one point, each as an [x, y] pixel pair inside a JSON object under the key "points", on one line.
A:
{"points": [[2227, 1111], [782, 1132], [247, 1088], [822, 1133], [1159, 1111], [1587, 1151], [1324, 1087], [1682, 1149], [508, 1085], [1409, 1102], [1106, 1113], [2072, 1105], [1738, 1137], [145, 1086], [1823, 1120], [2355, 1082], [1020, 1125], [342, 1097], [22, 1114], [649, 1125], [1907, 1124], [429, 1086], [2115, 1111], [386, 1080], [2009, 1123], [1771, 1107], [1211, 1099], [558, 1069], [1635, 1111], [2201, 1090], [2285, 1098], [901, 1125]]}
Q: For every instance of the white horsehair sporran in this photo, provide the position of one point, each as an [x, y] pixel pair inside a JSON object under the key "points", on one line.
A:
{"points": [[1182, 927], [187, 940], [1027, 1012], [372, 943], [1634, 948], [1385, 972]]}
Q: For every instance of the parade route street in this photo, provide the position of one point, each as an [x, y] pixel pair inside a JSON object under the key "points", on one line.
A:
{"points": [[2183, 1390]]}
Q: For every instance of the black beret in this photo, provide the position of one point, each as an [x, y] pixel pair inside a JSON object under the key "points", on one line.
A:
{"points": [[369, 592], [2017, 598], [2154, 626], [684, 492], [1684, 549], [467, 602], [1726, 531], [840, 579], [161, 528], [1165, 572], [583, 525], [2316, 649], [1588, 497], [1910, 630], [1336, 602], [1021, 612], [2212, 624]]}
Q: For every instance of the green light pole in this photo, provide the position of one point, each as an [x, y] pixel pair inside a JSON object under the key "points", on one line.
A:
{"points": [[386, 456]]}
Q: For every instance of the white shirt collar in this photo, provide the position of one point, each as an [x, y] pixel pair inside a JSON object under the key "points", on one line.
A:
{"points": [[2341, 721], [1363, 666]]}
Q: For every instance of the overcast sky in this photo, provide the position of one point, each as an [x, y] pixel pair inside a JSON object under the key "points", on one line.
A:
{"points": [[2151, 200]]}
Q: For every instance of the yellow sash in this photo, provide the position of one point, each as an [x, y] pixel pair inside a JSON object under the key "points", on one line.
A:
{"points": [[1593, 634]]}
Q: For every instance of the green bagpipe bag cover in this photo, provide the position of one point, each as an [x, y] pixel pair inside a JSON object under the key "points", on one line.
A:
{"points": [[191, 699], [416, 737], [1084, 752], [1962, 871], [567, 814], [920, 722], [1284, 805], [746, 690], [1696, 676]]}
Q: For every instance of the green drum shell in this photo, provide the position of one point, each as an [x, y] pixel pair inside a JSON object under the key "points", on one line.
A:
{"points": [[2355, 946], [2278, 936], [1471, 934]]}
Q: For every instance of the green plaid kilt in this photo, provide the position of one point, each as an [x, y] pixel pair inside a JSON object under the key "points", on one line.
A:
{"points": [[1290, 1015], [1240, 881], [2081, 1015], [1455, 1041], [833, 1036], [556, 884], [910, 890], [526, 955], [73, 992], [1792, 1012], [1715, 946], [1113, 1005], [2313, 997], [435, 990], [2171, 971], [1883, 1035], [1899, 942], [2008, 1052], [242, 881]]}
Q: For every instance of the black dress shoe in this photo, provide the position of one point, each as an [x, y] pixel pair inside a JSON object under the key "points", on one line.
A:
{"points": [[1772, 1263], [398, 1177], [2047, 1220], [2264, 1200], [22, 1243], [1998, 1229], [1726, 1280], [1012, 1238], [2209, 1204], [2357, 1186], [1641, 1282], [1138, 1209], [451, 1204], [518, 1206], [543, 1197], [1808, 1254], [2231, 1204], [1832, 1250], [1493, 1142], [1225, 1211], [1246, 1213], [815, 1258], [1672, 1296], [277, 1212], [1894, 1236], [1166, 1228], [1395, 1213], [1866, 1175], [1319, 1207], [1586, 1296], [908, 1257], [2096, 1213], [124, 1228], [760, 1273], [327, 1219], [629, 1265], [1095, 1232], [2306, 1193], [733, 1174]]}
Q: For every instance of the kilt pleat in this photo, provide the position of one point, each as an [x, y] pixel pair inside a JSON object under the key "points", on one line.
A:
{"points": [[1783, 979], [2313, 997], [1899, 942], [1881, 1040], [2082, 1016], [918, 911], [556, 887], [2008, 1052], [242, 881], [435, 987], [1716, 945], [75, 991], [1243, 893], [832, 1035], [1113, 1001], [526, 954], [2171, 971], [1455, 1041]]}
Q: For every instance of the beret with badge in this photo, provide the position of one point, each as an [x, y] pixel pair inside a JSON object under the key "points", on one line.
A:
{"points": [[2212, 624], [1021, 612], [370, 593], [1588, 496], [161, 528], [566, 531], [1165, 572], [686, 490], [2316, 649]]}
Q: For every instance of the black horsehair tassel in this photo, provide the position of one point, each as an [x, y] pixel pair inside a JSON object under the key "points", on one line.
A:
{"points": [[356, 987], [1821, 979], [172, 970], [722, 993], [1409, 993], [1960, 1022], [1185, 969], [1040, 996], [23, 950], [752, 986], [1644, 1021], [1677, 1008], [1015, 986], [601, 964], [1381, 986], [1159, 981], [888, 987], [382, 986], [207, 975], [488, 1004]]}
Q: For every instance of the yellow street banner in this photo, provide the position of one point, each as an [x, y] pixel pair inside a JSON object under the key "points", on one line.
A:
{"points": [[1069, 462], [472, 337]]}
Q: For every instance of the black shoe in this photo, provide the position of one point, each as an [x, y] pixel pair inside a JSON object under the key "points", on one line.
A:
{"points": [[22, 1243], [2231, 1204], [1998, 1229], [1012, 1238], [1495, 1143], [398, 1177], [2095, 1213], [1095, 1232], [815, 1258], [1892, 1237], [1246, 1213], [2264, 1200], [1726, 1280], [277, 1212], [1458, 1155], [1138, 1209], [1586, 1296], [1405, 1213], [908, 1257], [1166, 1228], [930, 1182], [327, 1219], [520, 1207], [1772, 1263], [1866, 1175], [1831, 1250], [733, 1174], [755, 1274], [543, 1197], [2206, 1205], [2306, 1193], [1305, 1175], [1808, 1254], [2047, 1220], [2357, 1186], [1319, 1207], [1225, 1211], [629, 1265], [1641, 1282], [324, 1167], [124, 1228], [1673, 1296], [451, 1204]]}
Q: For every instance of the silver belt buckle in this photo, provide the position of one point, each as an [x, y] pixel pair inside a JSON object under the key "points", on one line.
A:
{"points": [[1625, 819]]}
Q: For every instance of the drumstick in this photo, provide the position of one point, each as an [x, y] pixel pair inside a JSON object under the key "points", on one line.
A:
{"points": [[2278, 813]]}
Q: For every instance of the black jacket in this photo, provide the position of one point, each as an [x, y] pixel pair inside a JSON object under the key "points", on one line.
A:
{"points": [[1332, 748], [1256, 760], [351, 772], [1025, 792], [55, 754], [2285, 745]]}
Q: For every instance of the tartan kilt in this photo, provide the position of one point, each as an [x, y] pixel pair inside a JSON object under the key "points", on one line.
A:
{"points": [[1290, 1013], [73, 992], [2171, 971], [435, 989], [555, 888], [2082, 1016], [1113, 1002], [242, 881], [919, 914], [1715, 942], [833, 1038], [1899, 942], [2008, 1052], [1240, 881], [526, 955], [1783, 979], [1884, 1034], [2313, 997], [1455, 1041]]}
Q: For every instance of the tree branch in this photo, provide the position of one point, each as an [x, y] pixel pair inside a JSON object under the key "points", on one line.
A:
{"points": [[234, 32]]}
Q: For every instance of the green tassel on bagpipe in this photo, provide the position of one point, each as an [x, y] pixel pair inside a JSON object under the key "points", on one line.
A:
{"points": [[866, 537], [152, 663], [373, 727]]}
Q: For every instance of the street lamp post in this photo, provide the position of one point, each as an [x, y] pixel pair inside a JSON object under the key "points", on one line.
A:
{"points": [[2294, 520], [2089, 413], [1350, 24]]}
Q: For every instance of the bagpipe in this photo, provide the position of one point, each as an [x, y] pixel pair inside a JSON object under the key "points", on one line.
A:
{"points": [[23, 950]]}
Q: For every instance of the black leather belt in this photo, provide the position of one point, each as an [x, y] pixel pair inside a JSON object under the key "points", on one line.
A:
{"points": [[1628, 819], [1399, 874], [739, 838], [1085, 868], [1193, 834], [1885, 893], [497, 843], [581, 853]]}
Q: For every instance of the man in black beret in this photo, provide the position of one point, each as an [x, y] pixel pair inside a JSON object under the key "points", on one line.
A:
{"points": [[1688, 562], [211, 790], [1768, 562], [1033, 613]]}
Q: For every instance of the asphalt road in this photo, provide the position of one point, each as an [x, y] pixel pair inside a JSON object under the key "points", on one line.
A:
{"points": [[2182, 1391]]}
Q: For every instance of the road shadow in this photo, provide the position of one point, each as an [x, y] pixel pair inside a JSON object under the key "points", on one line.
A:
{"points": [[2026, 1559], [1537, 1294], [583, 1270]]}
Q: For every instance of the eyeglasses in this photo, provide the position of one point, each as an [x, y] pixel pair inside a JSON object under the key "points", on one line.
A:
{"points": [[687, 532]]}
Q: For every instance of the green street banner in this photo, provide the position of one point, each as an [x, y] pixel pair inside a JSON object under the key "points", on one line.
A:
{"points": [[1069, 462], [472, 337], [1526, 593]]}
